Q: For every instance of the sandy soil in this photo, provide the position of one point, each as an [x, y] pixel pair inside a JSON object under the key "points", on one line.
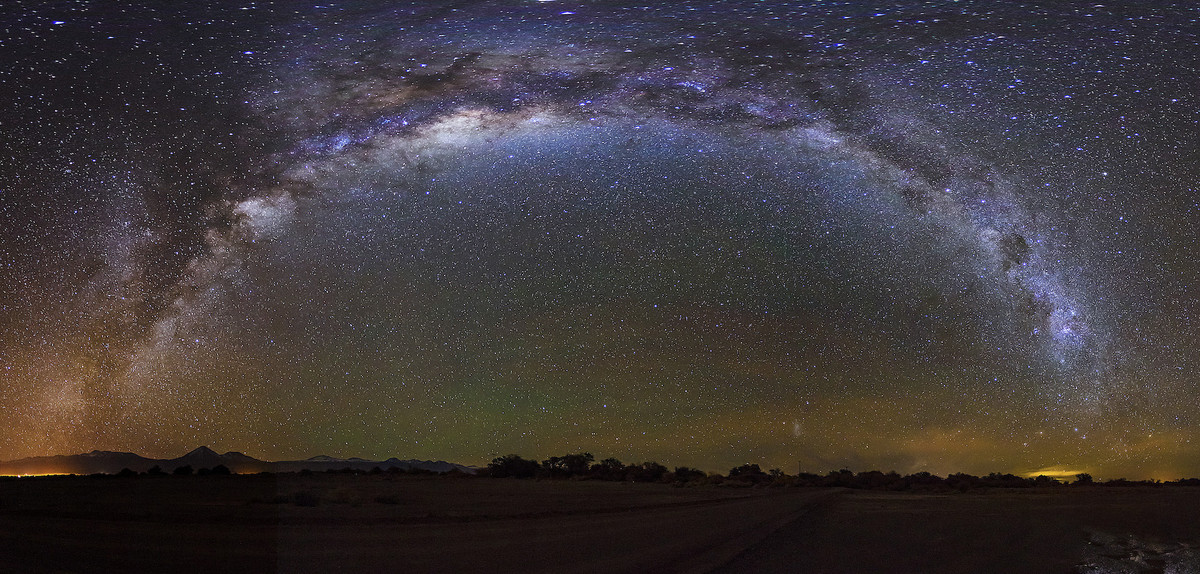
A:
{"points": [[415, 524], [1092, 530]]}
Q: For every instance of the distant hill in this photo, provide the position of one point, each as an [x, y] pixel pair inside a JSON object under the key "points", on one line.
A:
{"points": [[108, 462], [204, 457]]}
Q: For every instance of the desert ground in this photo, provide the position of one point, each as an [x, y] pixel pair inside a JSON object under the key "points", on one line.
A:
{"points": [[344, 522]]}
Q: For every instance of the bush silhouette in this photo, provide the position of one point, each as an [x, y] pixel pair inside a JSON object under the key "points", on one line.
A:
{"points": [[185, 470], [686, 474]]}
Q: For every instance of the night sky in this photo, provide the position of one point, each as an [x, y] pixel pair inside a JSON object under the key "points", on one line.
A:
{"points": [[924, 236]]}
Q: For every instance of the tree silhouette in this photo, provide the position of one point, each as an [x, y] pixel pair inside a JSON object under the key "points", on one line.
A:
{"points": [[647, 472], [579, 465], [843, 477], [749, 473], [925, 481], [876, 480], [608, 469], [568, 465], [185, 470], [1043, 480], [512, 465], [963, 482]]}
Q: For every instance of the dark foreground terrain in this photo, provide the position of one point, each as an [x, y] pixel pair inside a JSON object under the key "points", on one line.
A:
{"points": [[345, 522]]}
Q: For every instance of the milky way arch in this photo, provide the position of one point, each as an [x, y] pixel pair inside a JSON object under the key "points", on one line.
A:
{"points": [[443, 185]]}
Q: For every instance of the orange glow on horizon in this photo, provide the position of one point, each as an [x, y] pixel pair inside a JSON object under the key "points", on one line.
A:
{"points": [[32, 474], [1054, 472]]}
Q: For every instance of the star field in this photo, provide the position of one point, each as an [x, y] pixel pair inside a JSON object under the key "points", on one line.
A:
{"points": [[944, 236]]}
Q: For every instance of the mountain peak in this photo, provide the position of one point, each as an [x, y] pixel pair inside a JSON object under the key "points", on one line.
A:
{"points": [[202, 451]]}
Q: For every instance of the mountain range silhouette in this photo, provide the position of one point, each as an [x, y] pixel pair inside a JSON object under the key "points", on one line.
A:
{"points": [[110, 462]]}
